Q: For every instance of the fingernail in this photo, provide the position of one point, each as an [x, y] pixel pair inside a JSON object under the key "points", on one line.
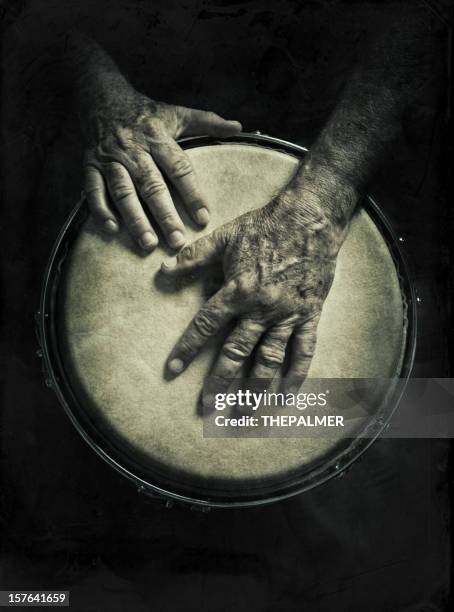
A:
{"points": [[202, 216], [147, 241], [110, 226], [176, 366], [176, 239], [236, 124], [169, 264]]}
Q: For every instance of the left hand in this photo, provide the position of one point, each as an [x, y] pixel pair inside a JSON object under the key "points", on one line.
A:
{"points": [[131, 147], [279, 264]]}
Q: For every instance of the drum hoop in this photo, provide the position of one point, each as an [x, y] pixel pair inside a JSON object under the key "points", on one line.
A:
{"points": [[56, 378]]}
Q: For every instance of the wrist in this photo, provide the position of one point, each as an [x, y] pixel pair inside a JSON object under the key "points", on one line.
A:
{"points": [[318, 199], [337, 185], [300, 211]]}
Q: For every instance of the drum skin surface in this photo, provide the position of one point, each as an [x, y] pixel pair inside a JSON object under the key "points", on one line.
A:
{"points": [[119, 319]]}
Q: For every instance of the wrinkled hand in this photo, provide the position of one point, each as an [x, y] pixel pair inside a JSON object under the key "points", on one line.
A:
{"points": [[131, 148], [279, 264]]}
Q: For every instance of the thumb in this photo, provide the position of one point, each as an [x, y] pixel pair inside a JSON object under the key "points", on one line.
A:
{"points": [[200, 123], [201, 253]]}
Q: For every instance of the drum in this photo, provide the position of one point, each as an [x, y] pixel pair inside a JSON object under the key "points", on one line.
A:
{"points": [[108, 321]]}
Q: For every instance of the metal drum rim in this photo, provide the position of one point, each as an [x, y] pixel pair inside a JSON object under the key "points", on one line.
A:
{"points": [[334, 467]]}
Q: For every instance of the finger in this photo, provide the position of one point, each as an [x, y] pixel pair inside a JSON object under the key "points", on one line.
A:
{"points": [[202, 252], [237, 348], [303, 348], [95, 192], [198, 123], [215, 313], [235, 351], [153, 189], [177, 166], [270, 353], [124, 196]]}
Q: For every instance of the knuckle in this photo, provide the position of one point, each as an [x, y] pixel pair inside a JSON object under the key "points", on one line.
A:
{"points": [[271, 356], [204, 325], [307, 344], [124, 139], [100, 152], [186, 348], [308, 350], [188, 253], [237, 349], [181, 167], [242, 286], [155, 123], [89, 166], [150, 189], [120, 187], [93, 192], [105, 151], [120, 193], [168, 218]]}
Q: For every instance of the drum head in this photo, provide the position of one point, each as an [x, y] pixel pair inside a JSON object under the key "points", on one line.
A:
{"points": [[117, 319]]}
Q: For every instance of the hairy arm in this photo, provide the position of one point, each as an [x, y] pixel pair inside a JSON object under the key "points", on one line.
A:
{"points": [[131, 148], [279, 261], [367, 118]]}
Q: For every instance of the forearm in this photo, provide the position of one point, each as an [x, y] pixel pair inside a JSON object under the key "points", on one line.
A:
{"points": [[366, 120], [351, 146], [93, 76]]}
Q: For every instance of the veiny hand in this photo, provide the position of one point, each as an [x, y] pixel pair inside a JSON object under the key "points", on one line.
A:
{"points": [[279, 264], [131, 146]]}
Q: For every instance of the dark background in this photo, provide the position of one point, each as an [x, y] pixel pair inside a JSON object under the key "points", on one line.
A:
{"points": [[376, 539]]}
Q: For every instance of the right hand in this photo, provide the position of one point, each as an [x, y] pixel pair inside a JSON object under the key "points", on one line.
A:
{"points": [[279, 263], [131, 147]]}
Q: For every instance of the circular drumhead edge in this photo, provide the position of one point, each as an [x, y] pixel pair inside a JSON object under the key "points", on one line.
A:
{"points": [[118, 319]]}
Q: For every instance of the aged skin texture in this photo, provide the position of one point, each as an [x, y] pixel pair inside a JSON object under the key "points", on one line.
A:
{"points": [[131, 141], [278, 268], [279, 261]]}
